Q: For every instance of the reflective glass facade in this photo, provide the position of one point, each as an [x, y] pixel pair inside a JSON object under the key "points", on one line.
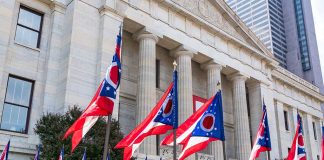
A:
{"points": [[265, 19], [302, 37]]}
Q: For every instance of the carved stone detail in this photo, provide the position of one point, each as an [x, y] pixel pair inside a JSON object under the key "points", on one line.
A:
{"points": [[208, 11]]}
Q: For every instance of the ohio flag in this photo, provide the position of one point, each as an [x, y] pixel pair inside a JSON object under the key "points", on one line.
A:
{"points": [[5, 152], [322, 142], [162, 118], [61, 156], [204, 126], [36, 157], [102, 103], [297, 151], [84, 157], [262, 142]]}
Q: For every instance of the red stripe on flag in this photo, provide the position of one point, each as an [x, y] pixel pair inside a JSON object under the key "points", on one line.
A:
{"points": [[188, 123], [195, 148], [129, 139]]}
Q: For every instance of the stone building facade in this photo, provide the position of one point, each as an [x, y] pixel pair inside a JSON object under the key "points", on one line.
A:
{"points": [[53, 54]]}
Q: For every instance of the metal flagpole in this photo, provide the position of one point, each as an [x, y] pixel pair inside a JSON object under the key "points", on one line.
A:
{"points": [[174, 129], [109, 116], [268, 155], [174, 144], [107, 138]]}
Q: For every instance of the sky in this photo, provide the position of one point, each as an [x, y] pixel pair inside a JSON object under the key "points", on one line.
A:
{"points": [[318, 13]]}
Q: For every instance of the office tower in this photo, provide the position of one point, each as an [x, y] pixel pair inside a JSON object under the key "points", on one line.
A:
{"points": [[287, 29]]}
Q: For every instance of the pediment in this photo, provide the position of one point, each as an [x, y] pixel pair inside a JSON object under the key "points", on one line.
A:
{"points": [[219, 14]]}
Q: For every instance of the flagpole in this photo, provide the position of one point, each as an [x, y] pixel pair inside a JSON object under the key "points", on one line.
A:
{"points": [[107, 138], [109, 116], [268, 155], [174, 129]]}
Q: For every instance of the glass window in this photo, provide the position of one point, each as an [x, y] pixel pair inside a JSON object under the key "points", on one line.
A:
{"points": [[17, 105], [29, 26], [314, 130], [157, 78], [286, 120]]}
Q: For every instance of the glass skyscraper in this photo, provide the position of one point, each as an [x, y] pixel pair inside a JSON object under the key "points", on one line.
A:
{"points": [[286, 27]]}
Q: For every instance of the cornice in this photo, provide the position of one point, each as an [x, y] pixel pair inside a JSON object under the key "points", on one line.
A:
{"points": [[298, 83], [264, 54]]}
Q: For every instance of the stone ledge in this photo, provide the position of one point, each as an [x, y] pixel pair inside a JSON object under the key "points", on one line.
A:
{"points": [[297, 82]]}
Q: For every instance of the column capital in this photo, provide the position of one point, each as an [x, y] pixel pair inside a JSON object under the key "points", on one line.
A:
{"points": [[146, 33], [183, 50], [256, 84], [237, 76], [211, 65], [57, 6]]}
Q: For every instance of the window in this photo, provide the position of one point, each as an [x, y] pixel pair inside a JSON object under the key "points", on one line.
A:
{"points": [[314, 130], [29, 27], [157, 72], [286, 120], [17, 104]]}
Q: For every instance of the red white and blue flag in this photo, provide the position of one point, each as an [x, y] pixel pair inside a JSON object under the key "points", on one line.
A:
{"points": [[322, 142], [84, 157], [204, 126], [108, 156], [102, 104], [297, 151], [36, 157], [262, 142], [162, 118], [5, 152], [61, 156]]}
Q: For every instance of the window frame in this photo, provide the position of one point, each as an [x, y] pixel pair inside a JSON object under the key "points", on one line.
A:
{"points": [[286, 119], [31, 29], [314, 130], [157, 73], [19, 105]]}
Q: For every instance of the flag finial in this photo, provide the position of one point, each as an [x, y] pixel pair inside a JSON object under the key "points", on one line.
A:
{"points": [[174, 65], [218, 86]]}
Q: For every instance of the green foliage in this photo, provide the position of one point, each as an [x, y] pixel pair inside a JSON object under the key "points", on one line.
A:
{"points": [[51, 128]]}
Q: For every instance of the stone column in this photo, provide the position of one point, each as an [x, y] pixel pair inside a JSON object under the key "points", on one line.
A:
{"points": [[213, 77], [146, 96], [255, 105], [309, 136], [259, 91], [241, 122], [283, 151], [185, 101], [184, 83]]}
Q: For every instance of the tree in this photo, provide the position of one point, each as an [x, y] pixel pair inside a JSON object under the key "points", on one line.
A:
{"points": [[52, 126]]}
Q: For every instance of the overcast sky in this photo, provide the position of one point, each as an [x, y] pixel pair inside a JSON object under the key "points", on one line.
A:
{"points": [[318, 13]]}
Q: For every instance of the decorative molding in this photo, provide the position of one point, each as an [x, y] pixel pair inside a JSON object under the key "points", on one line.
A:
{"points": [[57, 6], [147, 33], [297, 82], [238, 75], [212, 63], [183, 50]]}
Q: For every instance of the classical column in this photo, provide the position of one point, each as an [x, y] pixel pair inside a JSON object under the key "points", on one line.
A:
{"points": [[309, 136], [146, 98], [241, 122], [213, 77], [184, 83], [255, 105]]}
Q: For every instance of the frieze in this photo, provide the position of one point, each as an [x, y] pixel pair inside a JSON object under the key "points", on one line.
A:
{"points": [[207, 11]]}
